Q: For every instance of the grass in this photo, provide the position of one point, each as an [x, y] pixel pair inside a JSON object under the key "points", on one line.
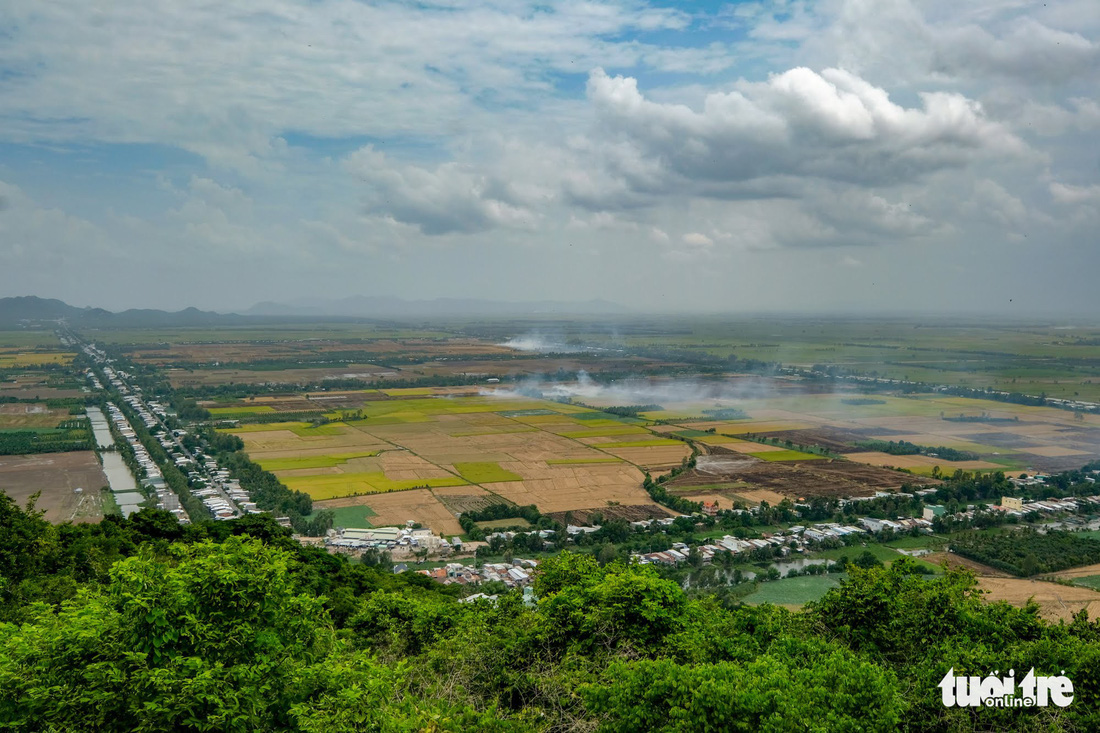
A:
{"points": [[290, 464], [331, 486], [918, 543], [501, 523], [606, 432], [354, 517], [24, 359], [785, 455], [794, 591], [485, 472], [240, 410], [1089, 581], [264, 427], [579, 461]]}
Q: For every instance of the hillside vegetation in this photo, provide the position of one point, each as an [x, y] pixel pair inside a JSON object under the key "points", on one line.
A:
{"points": [[146, 625]]}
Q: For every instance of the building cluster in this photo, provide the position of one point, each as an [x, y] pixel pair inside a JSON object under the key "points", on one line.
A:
{"points": [[153, 479], [222, 496], [796, 538], [516, 574], [1017, 507], [896, 525], [391, 539]]}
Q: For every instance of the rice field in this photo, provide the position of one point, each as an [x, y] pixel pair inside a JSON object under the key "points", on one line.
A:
{"points": [[485, 472]]}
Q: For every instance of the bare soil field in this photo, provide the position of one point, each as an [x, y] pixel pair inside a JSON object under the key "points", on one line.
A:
{"points": [[1081, 572], [459, 499], [200, 377], [875, 458], [957, 561], [55, 475], [1056, 602], [23, 415], [837, 441], [397, 507], [37, 392], [633, 513], [797, 479], [242, 352]]}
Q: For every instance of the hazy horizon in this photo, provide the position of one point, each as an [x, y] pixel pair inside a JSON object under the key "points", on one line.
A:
{"points": [[843, 157]]}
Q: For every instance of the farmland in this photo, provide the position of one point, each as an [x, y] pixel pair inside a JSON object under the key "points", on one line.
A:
{"points": [[791, 442], [434, 449], [422, 421], [54, 476]]}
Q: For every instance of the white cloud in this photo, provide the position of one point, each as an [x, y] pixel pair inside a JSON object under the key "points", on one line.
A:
{"points": [[1074, 195]]}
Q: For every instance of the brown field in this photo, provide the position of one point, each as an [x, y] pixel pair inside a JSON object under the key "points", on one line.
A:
{"points": [[1081, 572], [55, 475], [749, 447], [23, 415], [874, 458], [209, 353], [1055, 451], [796, 479], [426, 440], [1056, 602], [574, 487], [759, 495], [396, 508], [37, 392], [837, 441], [459, 499], [634, 513], [957, 561]]}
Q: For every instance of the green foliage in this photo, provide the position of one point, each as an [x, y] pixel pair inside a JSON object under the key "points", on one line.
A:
{"points": [[146, 625], [905, 448], [1027, 552]]}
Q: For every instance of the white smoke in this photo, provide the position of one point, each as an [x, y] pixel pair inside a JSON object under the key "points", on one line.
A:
{"points": [[720, 393]]}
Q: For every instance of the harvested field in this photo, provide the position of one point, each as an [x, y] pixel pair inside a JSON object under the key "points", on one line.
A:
{"points": [[957, 561], [1055, 451], [397, 508], [1081, 572], [459, 499], [35, 392], [758, 495], [632, 513], [837, 441], [799, 479], [749, 448], [1056, 602], [571, 487], [55, 475], [22, 415], [875, 458]]}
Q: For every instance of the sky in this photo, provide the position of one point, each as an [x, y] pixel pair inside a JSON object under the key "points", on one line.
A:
{"points": [[857, 156]]}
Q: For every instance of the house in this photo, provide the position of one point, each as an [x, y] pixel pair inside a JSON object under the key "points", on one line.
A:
{"points": [[1012, 502], [931, 511], [710, 508]]}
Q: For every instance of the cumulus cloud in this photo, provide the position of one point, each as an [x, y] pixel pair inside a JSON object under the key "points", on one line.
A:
{"points": [[1066, 194], [449, 199], [831, 125]]}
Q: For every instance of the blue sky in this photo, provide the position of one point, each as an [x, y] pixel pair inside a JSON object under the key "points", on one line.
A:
{"points": [[855, 155]]}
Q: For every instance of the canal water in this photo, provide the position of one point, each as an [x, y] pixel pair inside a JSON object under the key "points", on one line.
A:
{"points": [[116, 470]]}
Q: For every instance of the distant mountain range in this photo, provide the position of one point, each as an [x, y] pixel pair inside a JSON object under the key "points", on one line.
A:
{"points": [[32, 309], [22, 310]]}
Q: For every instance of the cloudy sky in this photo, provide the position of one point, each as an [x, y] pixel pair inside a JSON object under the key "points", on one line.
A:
{"points": [[857, 155]]}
